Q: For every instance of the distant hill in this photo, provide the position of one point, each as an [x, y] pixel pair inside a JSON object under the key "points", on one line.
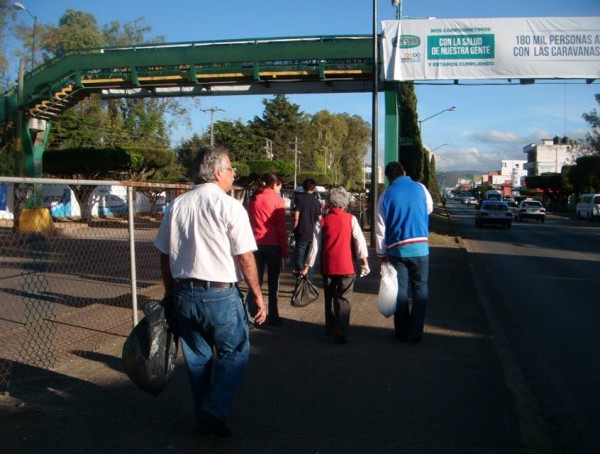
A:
{"points": [[450, 177]]}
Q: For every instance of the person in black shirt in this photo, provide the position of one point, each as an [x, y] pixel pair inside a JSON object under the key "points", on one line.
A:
{"points": [[306, 212]]}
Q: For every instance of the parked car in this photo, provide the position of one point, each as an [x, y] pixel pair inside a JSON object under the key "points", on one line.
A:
{"points": [[588, 207], [531, 209], [494, 212]]}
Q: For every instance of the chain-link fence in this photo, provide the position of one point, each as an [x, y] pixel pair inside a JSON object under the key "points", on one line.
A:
{"points": [[76, 263]]}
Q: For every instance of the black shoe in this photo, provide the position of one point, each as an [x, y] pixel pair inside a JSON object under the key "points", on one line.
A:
{"points": [[415, 338], [340, 340], [208, 424], [401, 337]]}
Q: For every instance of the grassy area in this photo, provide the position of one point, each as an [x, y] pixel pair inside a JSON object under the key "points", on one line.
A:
{"points": [[441, 230]]}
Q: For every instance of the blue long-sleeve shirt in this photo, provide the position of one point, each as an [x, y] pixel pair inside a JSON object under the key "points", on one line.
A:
{"points": [[402, 225]]}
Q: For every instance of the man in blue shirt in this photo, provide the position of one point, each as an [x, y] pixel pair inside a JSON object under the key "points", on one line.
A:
{"points": [[306, 212], [402, 238]]}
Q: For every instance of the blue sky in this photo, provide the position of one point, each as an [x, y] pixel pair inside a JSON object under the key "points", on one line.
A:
{"points": [[490, 123]]}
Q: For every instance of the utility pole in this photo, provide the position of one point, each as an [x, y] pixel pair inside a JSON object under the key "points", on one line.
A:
{"points": [[212, 111], [269, 148], [296, 162]]}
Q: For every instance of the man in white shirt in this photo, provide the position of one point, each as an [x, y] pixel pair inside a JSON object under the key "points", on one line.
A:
{"points": [[207, 246]]}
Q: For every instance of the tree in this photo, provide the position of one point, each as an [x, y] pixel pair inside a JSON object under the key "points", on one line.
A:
{"points": [[593, 137], [128, 123], [282, 122], [585, 175], [412, 154], [555, 186], [433, 185], [356, 146], [88, 164], [76, 30], [4, 31], [323, 149], [240, 139]]}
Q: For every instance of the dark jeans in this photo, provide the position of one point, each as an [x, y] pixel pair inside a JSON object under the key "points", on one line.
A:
{"points": [[210, 319], [338, 294], [301, 251], [413, 271], [269, 256]]}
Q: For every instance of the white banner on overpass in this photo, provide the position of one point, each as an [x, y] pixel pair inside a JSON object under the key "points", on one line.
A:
{"points": [[506, 48]]}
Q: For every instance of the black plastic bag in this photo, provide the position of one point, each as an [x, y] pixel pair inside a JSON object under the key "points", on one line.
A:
{"points": [[305, 292], [150, 350]]}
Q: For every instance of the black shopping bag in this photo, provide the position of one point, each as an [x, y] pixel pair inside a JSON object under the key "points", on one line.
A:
{"points": [[305, 292], [150, 350]]}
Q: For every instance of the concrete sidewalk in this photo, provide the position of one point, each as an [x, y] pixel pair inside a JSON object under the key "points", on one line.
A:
{"points": [[302, 393]]}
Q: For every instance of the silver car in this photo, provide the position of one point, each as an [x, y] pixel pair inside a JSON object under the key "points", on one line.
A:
{"points": [[495, 213], [531, 209]]}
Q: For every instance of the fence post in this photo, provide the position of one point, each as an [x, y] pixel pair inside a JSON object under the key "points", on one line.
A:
{"points": [[131, 215]]}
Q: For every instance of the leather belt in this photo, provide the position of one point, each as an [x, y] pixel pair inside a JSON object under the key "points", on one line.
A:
{"points": [[205, 284]]}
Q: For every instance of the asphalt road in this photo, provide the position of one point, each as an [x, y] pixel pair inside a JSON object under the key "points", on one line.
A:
{"points": [[547, 276]]}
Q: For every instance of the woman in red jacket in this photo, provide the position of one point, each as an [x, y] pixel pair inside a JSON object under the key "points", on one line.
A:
{"points": [[266, 210], [339, 238]]}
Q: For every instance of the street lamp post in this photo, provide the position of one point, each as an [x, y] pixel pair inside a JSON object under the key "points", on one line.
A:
{"points": [[20, 6], [449, 109], [439, 146]]}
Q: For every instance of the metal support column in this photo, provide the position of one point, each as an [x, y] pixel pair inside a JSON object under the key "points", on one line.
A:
{"points": [[392, 122]]}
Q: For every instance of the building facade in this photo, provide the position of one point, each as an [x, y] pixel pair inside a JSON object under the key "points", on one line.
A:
{"points": [[549, 156]]}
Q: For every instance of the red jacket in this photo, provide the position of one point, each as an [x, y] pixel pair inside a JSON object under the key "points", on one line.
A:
{"points": [[267, 217], [336, 243]]}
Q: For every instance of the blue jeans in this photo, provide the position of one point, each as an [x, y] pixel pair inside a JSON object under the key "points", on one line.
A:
{"points": [[413, 270], [269, 256], [207, 318], [301, 251]]}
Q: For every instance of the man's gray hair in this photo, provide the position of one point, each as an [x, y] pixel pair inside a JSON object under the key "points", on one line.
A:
{"points": [[206, 161], [338, 198]]}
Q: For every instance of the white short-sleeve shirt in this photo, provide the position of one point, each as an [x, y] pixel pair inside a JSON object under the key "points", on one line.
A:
{"points": [[202, 232]]}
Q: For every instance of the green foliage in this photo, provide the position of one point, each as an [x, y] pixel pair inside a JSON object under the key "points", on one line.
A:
{"points": [[184, 153], [282, 122], [585, 175], [88, 163], [242, 168], [241, 140], [283, 169], [145, 162], [431, 181], [411, 156], [593, 137], [320, 177]]}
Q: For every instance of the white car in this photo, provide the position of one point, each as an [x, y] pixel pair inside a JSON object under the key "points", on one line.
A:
{"points": [[588, 207], [531, 209], [470, 201], [494, 212]]}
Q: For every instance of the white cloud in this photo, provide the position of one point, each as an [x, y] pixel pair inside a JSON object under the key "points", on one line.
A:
{"points": [[495, 137]]}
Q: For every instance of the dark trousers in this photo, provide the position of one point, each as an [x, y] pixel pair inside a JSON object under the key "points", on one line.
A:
{"points": [[338, 295], [269, 257]]}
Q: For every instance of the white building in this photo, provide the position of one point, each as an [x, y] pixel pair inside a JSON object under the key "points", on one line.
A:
{"points": [[547, 157], [367, 174], [512, 170]]}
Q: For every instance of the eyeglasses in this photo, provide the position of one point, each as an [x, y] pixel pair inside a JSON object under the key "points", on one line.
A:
{"points": [[231, 169]]}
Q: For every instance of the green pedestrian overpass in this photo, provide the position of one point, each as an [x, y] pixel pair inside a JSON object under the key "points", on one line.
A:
{"points": [[268, 66]]}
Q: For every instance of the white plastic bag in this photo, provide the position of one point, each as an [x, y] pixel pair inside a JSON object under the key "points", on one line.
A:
{"points": [[388, 290]]}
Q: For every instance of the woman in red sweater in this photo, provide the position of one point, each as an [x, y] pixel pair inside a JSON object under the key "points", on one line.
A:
{"points": [[339, 238], [266, 210]]}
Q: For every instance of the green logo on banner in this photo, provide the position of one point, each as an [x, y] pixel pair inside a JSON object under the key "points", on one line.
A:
{"points": [[406, 41]]}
